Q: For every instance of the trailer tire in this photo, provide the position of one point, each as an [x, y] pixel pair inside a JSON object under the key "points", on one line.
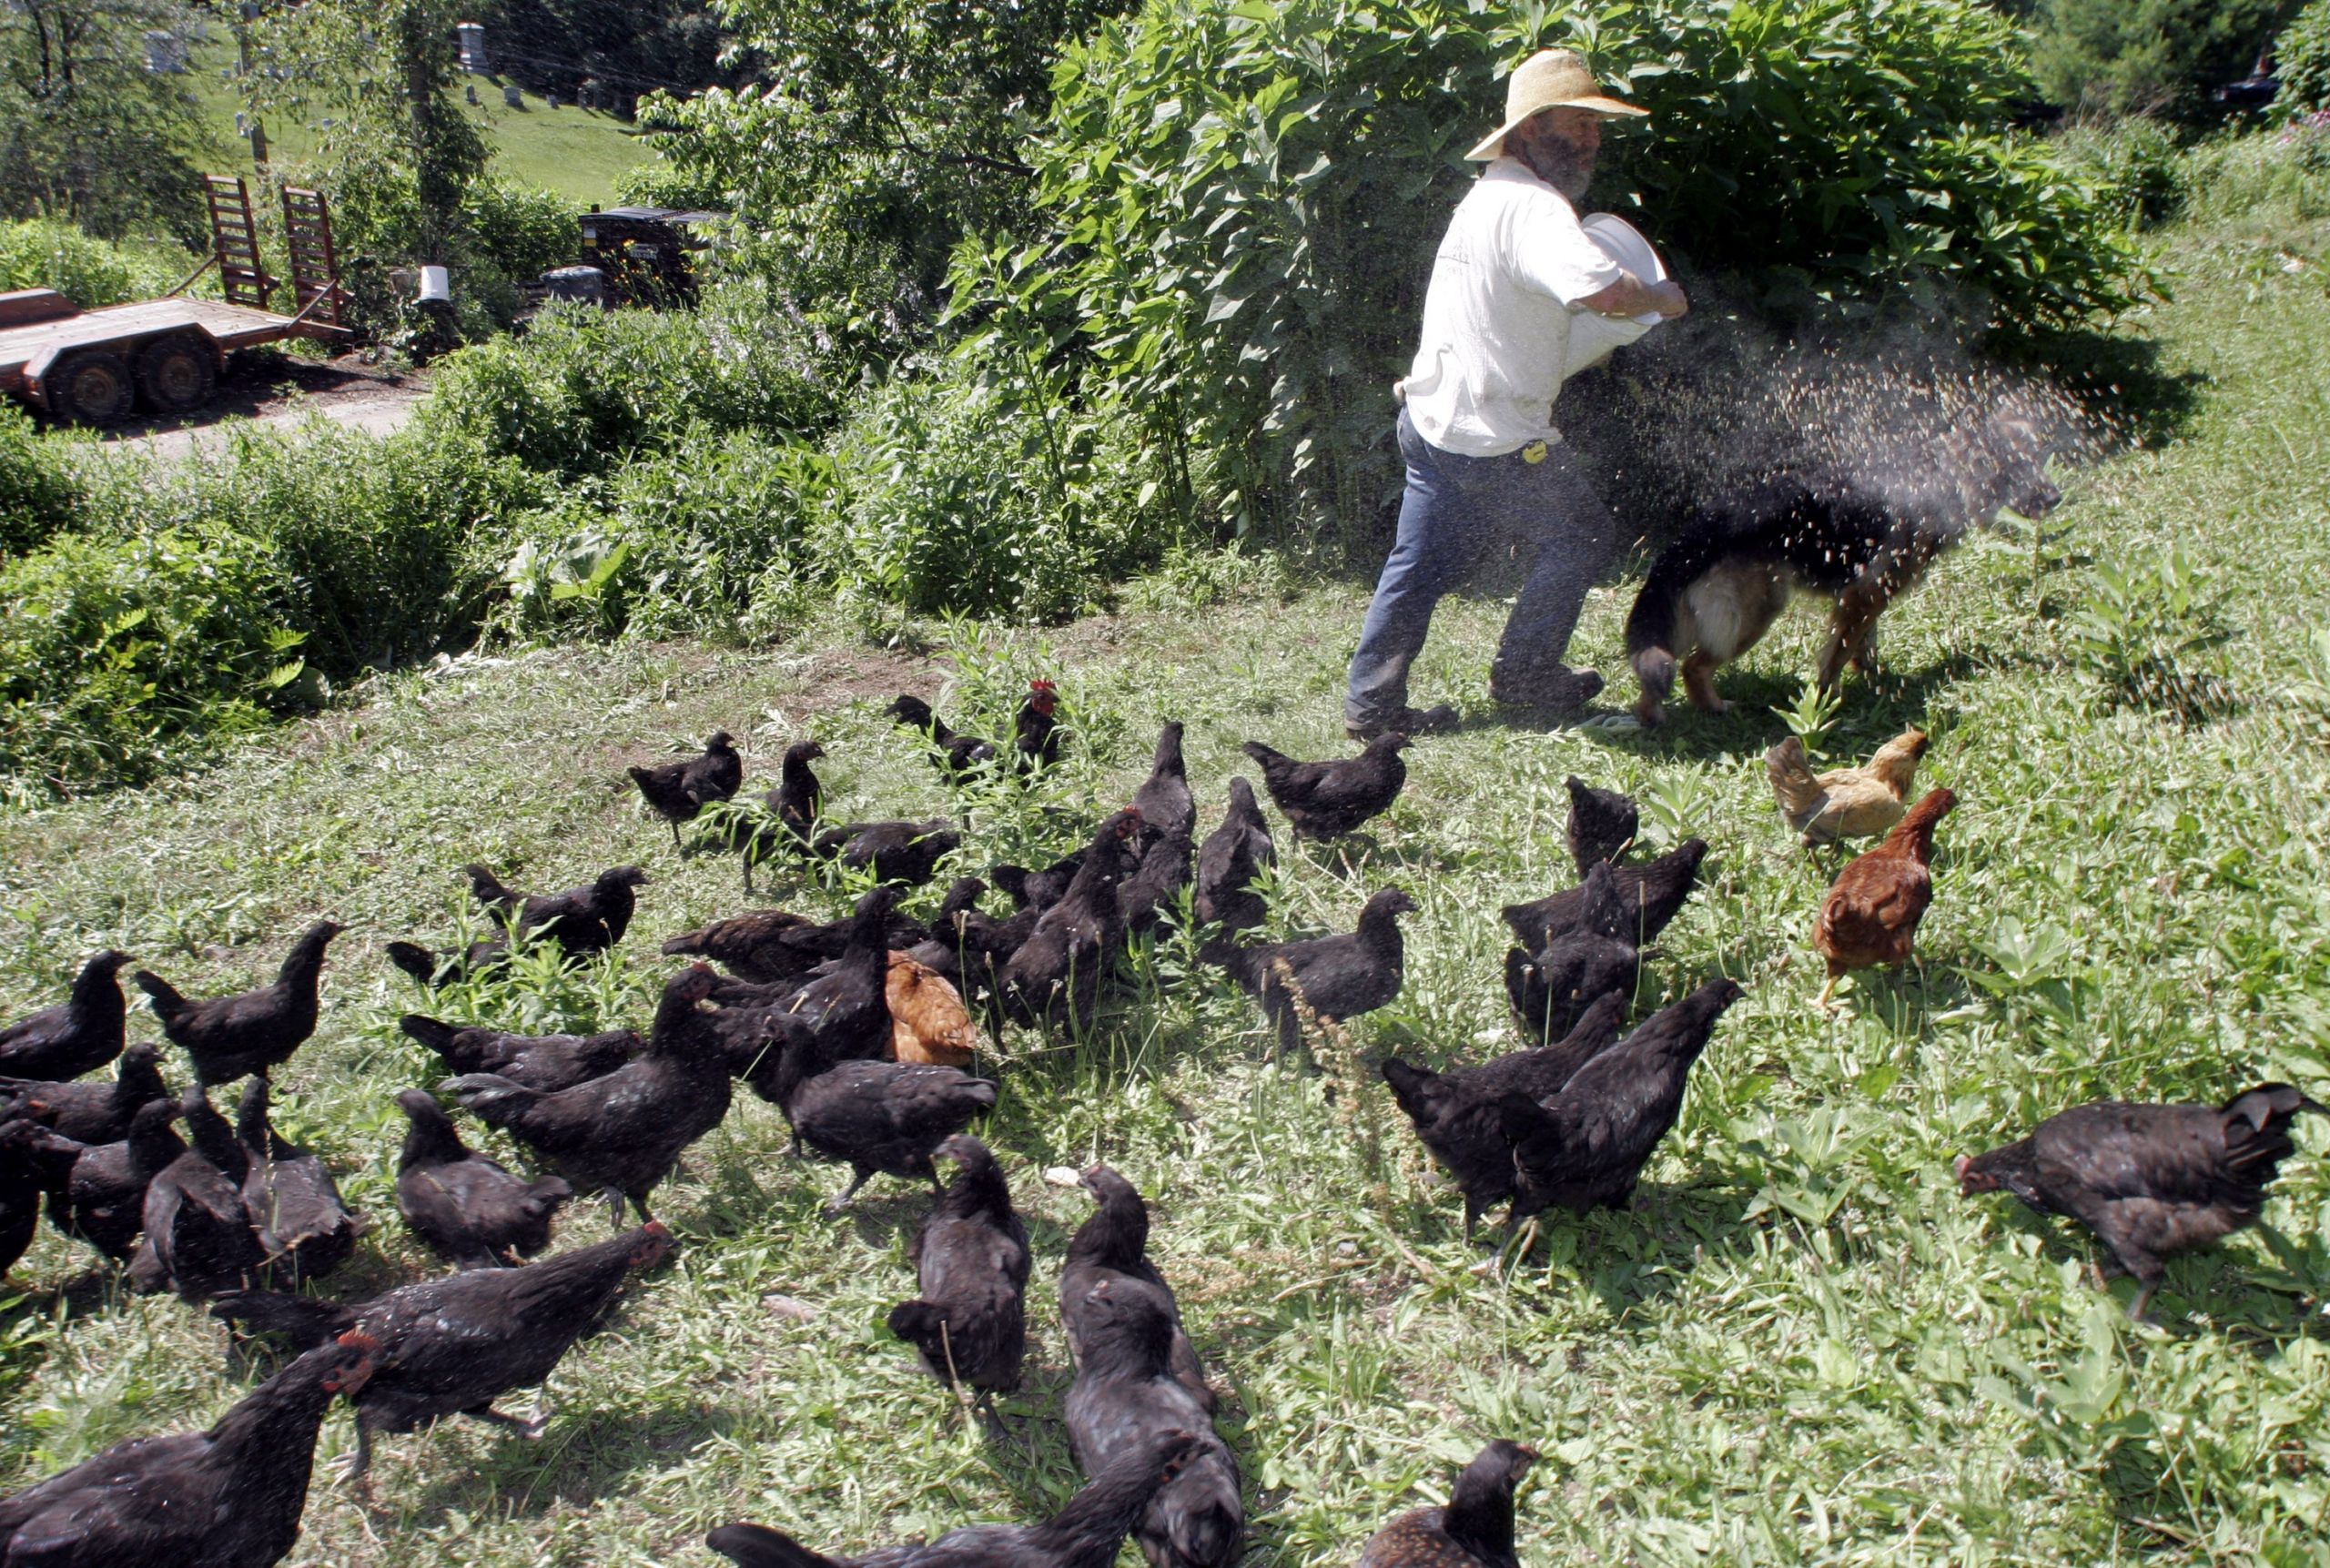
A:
{"points": [[178, 373], [90, 388]]}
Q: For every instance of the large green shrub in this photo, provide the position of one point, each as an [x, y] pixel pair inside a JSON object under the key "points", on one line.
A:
{"points": [[2302, 61], [1246, 199], [954, 490], [394, 542], [113, 649], [2114, 57], [43, 253], [584, 388], [39, 495], [704, 540]]}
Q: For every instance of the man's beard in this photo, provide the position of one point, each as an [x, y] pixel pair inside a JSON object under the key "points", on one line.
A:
{"points": [[1568, 169]]}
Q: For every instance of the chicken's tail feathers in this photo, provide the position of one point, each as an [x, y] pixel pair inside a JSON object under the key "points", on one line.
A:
{"points": [[982, 1094], [1793, 785], [1418, 1090], [1208, 1535], [1533, 1134], [434, 1033], [544, 1196], [1273, 763], [164, 995], [688, 942], [489, 1095], [304, 1321], [2257, 1126], [415, 960], [758, 1546], [918, 1323]]}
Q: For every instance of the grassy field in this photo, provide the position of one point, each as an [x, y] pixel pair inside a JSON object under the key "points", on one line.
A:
{"points": [[579, 153], [1799, 1346]]}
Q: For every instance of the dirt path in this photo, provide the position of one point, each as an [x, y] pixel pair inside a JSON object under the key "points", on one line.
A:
{"points": [[272, 389]]}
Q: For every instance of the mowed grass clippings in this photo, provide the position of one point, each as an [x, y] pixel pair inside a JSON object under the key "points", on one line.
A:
{"points": [[1799, 1345]]}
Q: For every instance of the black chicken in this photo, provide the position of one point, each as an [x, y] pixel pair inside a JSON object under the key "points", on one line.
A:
{"points": [[582, 920], [304, 1228], [1113, 1245], [1603, 823], [907, 852], [547, 1062], [1036, 734], [103, 1201], [230, 1497], [678, 791], [1231, 857], [466, 1207], [772, 947], [228, 1037], [79, 1035], [1329, 799], [1459, 1114], [1156, 883], [799, 798], [958, 755], [1075, 943], [1038, 890], [885, 1118], [971, 1258], [1586, 1145], [453, 1346], [97, 1112], [1654, 892], [2150, 1180], [1551, 988], [1125, 1398], [1475, 1531], [198, 1238], [1166, 808], [432, 969], [33, 1162], [622, 1134], [1340, 976], [1087, 1533]]}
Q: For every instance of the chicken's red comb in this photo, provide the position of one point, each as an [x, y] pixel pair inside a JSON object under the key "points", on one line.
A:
{"points": [[1041, 686], [357, 1339], [658, 1228]]}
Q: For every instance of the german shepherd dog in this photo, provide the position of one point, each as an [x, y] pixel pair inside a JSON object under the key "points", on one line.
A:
{"points": [[1718, 589]]}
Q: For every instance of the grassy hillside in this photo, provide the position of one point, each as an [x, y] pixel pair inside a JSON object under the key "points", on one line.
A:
{"points": [[1800, 1345], [579, 153]]}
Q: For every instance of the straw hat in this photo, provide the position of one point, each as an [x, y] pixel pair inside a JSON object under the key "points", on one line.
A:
{"points": [[1549, 79]]}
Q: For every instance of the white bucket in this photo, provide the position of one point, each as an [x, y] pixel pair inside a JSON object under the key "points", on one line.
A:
{"points": [[1593, 336], [436, 285]]}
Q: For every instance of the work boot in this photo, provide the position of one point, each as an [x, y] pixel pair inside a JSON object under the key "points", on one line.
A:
{"points": [[1409, 722], [1559, 691]]}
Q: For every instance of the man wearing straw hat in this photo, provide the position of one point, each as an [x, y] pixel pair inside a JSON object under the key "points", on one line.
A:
{"points": [[1476, 428]]}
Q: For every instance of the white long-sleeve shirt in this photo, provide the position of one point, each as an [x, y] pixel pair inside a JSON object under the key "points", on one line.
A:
{"points": [[1496, 317]]}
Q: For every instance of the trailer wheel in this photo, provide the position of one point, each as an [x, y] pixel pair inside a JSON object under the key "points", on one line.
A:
{"points": [[178, 373], [91, 387]]}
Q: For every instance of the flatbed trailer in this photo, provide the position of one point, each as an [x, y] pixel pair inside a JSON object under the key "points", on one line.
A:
{"points": [[95, 367]]}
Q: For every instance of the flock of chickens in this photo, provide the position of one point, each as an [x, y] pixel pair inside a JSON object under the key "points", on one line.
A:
{"points": [[859, 1031]]}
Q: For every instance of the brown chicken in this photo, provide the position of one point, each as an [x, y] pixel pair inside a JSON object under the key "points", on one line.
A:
{"points": [[929, 1022], [1845, 802], [1871, 916]]}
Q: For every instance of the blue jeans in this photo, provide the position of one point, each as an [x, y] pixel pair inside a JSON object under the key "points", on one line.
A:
{"points": [[1455, 510]]}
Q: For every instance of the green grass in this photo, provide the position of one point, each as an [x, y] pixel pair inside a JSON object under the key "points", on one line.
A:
{"points": [[1799, 1345], [580, 153]]}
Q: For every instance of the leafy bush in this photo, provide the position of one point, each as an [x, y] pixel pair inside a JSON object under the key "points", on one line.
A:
{"points": [[43, 253], [2116, 57], [2302, 61], [2146, 633], [39, 495], [2284, 172], [704, 540], [584, 387], [950, 494], [393, 542], [111, 649], [2139, 172], [1247, 199]]}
